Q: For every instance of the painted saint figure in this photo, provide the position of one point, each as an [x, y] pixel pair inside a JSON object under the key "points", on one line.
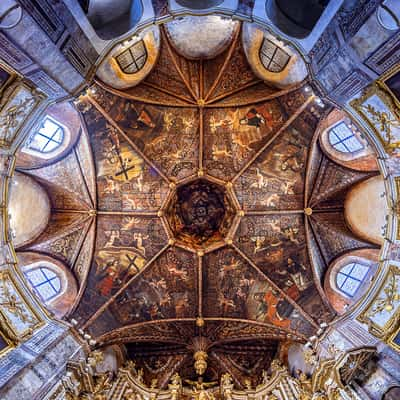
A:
{"points": [[268, 308], [253, 118], [115, 267]]}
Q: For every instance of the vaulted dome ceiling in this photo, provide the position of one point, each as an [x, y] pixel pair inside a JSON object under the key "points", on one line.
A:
{"points": [[212, 211]]}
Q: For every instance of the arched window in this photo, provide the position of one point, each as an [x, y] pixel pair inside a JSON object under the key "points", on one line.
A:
{"points": [[45, 283], [350, 277], [132, 59], [343, 139], [52, 282], [389, 15], [47, 138], [392, 394], [273, 57]]}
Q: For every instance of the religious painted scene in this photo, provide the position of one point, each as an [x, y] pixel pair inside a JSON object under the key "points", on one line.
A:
{"points": [[200, 200]]}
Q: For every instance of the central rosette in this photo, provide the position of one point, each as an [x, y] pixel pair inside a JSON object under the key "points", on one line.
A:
{"points": [[201, 208], [200, 213]]}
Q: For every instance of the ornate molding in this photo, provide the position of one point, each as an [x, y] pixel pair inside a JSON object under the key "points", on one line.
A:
{"points": [[17, 317], [18, 103], [382, 315], [330, 381], [385, 122], [381, 82]]}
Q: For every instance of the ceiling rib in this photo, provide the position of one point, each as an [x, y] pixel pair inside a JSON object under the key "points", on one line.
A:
{"points": [[234, 91], [121, 331], [170, 372], [200, 285], [201, 138], [311, 227], [83, 282], [68, 211], [310, 158], [224, 65], [227, 369], [128, 96], [271, 96], [201, 79], [92, 203], [317, 280], [174, 61], [88, 223], [137, 213], [152, 85], [274, 212]]}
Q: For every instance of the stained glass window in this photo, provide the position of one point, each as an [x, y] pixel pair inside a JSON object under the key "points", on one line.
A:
{"points": [[342, 138], [350, 277], [273, 57], [133, 59], [47, 138], [44, 282]]}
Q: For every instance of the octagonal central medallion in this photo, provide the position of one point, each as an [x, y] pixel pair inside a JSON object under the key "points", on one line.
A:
{"points": [[200, 213]]}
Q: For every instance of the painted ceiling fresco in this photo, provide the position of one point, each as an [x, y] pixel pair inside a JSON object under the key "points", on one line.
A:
{"points": [[201, 217]]}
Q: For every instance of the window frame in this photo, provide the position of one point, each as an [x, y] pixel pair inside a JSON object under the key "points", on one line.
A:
{"points": [[134, 59], [61, 304], [35, 287], [331, 132], [49, 137], [389, 11], [263, 55], [349, 276]]}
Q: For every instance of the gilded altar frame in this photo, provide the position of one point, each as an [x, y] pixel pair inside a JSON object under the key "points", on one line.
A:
{"points": [[9, 343], [11, 78], [385, 331], [397, 208], [387, 100], [6, 324], [381, 82], [391, 341]]}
